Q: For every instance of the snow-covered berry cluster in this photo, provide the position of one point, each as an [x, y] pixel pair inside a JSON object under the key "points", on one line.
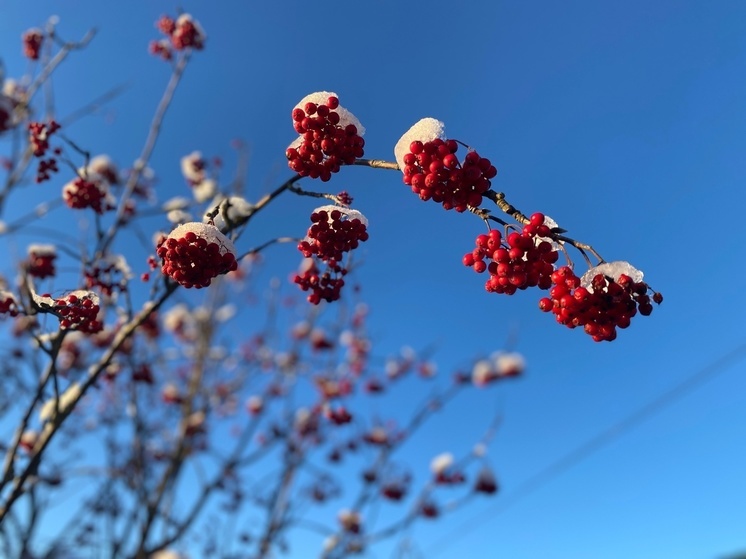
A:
{"points": [[334, 231], [523, 259], [195, 253], [32, 40], [40, 263], [77, 310], [82, 193], [182, 33], [433, 170], [8, 303], [605, 298], [194, 168], [330, 136]]}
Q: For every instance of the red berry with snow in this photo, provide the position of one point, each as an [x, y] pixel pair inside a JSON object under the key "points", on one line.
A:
{"points": [[330, 136], [432, 169], [605, 298], [195, 253]]}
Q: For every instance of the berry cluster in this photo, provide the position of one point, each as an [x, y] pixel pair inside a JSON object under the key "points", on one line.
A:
{"points": [[522, 260], [8, 303], [32, 40], [335, 231], [40, 262], [182, 33], [81, 193], [603, 299], [107, 275], [195, 253], [39, 134], [326, 286], [330, 136], [434, 172], [76, 311]]}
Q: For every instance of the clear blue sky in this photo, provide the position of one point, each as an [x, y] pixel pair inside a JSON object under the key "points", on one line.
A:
{"points": [[626, 122]]}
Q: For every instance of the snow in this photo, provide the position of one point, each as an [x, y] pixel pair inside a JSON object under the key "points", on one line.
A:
{"points": [[612, 270], [67, 398], [425, 130], [441, 463], [208, 232]]}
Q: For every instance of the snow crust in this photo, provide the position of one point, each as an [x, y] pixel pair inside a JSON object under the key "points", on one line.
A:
{"points": [[424, 130]]}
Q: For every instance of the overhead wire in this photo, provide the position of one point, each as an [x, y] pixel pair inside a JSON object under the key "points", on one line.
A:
{"points": [[591, 446]]}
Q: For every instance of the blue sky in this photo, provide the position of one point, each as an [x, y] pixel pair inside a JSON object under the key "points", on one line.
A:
{"points": [[625, 122]]}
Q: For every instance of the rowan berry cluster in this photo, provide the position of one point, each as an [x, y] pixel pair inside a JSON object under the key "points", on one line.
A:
{"points": [[330, 136], [195, 253], [334, 231], [604, 299], [39, 134], [182, 33], [433, 171], [81, 193], [40, 263], [32, 40], [523, 259], [326, 286], [77, 311]]}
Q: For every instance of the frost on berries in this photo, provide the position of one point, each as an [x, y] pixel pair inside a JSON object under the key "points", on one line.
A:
{"points": [[433, 171], [195, 253], [330, 136], [334, 231]]}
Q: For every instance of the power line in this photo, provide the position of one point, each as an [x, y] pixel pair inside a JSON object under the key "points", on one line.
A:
{"points": [[592, 445]]}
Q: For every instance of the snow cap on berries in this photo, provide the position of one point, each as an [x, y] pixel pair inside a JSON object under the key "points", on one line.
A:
{"points": [[104, 168], [425, 130], [193, 167], [349, 212], [41, 250], [345, 116], [196, 263], [509, 364], [613, 270], [441, 463]]}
